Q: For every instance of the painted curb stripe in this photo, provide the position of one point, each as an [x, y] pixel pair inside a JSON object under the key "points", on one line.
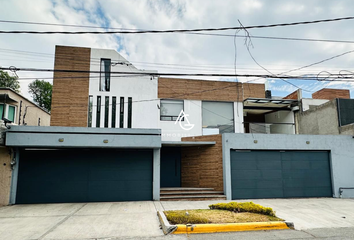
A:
{"points": [[229, 227]]}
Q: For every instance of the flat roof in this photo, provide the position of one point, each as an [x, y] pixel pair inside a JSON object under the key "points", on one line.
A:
{"points": [[186, 144]]}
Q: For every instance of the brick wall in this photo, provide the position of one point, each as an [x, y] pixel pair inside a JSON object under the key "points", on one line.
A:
{"points": [[70, 90], [208, 90], [293, 95], [202, 166], [329, 93]]}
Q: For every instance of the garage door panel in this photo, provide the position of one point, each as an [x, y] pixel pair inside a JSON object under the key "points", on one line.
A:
{"points": [[84, 175], [281, 174], [258, 193]]}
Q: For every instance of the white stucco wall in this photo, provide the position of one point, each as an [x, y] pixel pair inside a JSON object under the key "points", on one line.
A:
{"points": [[339, 146], [145, 114], [307, 102], [238, 117], [281, 117]]}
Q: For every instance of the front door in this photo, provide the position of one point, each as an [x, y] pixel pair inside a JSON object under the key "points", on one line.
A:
{"points": [[170, 167]]}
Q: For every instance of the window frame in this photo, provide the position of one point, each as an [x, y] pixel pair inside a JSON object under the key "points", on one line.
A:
{"points": [[98, 112], [106, 86], [90, 111], [171, 117], [233, 113], [121, 112], [130, 111], [114, 112]]}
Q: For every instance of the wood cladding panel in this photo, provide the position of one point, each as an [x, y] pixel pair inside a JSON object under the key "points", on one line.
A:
{"points": [[70, 90], [202, 166], [208, 90]]}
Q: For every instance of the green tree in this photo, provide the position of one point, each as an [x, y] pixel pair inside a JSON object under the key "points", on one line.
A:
{"points": [[9, 82], [41, 92]]}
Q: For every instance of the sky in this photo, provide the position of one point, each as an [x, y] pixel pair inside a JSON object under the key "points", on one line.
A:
{"points": [[189, 53]]}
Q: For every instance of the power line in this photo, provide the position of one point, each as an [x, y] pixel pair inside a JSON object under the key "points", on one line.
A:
{"points": [[181, 30]]}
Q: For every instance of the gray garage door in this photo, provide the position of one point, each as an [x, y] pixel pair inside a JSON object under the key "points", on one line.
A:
{"points": [[280, 174], [59, 176]]}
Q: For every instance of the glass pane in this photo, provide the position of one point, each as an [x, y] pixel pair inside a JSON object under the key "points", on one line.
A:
{"points": [[130, 103], [98, 112], [105, 75], [170, 108], [218, 115], [11, 114], [89, 124], [121, 113], [106, 112], [1, 110], [114, 107]]}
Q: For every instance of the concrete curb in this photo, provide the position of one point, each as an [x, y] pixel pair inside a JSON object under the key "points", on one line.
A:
{"points": [[229, 227], [167, 228]]}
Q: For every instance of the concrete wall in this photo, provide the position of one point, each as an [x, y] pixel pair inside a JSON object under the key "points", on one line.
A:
{"points": [[281, 117], [322, 119], [308, 103], [347, 129], [142, 90], [30, 112], [5, 175], [340, 147], [201, 166]]}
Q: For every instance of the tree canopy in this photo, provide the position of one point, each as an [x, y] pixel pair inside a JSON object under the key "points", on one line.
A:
{"points": [[41, 92], [9, 81]]}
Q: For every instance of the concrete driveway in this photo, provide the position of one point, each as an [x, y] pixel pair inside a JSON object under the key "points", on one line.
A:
{"points": [[137, 220], [79, 221]]}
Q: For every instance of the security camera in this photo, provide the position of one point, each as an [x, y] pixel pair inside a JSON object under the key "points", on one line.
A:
{"points": [[6, 121]]}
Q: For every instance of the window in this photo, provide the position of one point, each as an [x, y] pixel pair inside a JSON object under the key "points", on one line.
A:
{"points": [[11, 113], [121, 113], [170, 109], [105, 75], [98, 112], [130, 103], [218, 116], [2, 113], [114, 107], [89, 122], [106, 112]]}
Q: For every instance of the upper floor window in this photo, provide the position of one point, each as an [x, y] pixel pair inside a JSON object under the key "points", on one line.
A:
{"points": [[105, 75], [7, 111], [217, 117], [170, 109]]}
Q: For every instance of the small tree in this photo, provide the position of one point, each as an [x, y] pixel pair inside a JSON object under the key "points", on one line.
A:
{"points": [[41, 92], [9, 82]]}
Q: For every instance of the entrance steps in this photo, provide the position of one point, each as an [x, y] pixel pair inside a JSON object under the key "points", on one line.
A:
{"points": [[190, 194]]}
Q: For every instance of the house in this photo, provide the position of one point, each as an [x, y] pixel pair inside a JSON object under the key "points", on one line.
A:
{"points": [[120, 134]]}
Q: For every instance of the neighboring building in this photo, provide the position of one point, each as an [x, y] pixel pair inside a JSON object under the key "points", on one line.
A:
{"points": [[21, 111]]}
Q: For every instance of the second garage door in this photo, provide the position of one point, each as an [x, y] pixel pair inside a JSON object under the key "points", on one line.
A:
{"points": [[280, 174], [76, 175]]}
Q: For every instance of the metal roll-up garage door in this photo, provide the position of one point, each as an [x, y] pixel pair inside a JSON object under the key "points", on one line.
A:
{"points": [[76, 175], [280, 174]]}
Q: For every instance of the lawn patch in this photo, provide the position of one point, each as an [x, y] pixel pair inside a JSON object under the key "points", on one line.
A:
{"points": [[202, 216], [244, 207]]}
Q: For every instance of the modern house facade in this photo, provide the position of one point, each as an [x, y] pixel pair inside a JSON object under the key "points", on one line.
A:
{"points": [[128, 134]]}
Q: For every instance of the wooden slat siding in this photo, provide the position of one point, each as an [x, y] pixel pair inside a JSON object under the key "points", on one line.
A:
{"points": [[329, 93], [191, 89], [202, 166], [70, 95]]}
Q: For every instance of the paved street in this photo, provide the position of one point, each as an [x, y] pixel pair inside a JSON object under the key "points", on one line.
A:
{"points": [[323, 218]]}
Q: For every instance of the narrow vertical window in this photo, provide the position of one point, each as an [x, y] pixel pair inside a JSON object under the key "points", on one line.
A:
{"points": [[89, 120], [130, 101], [2, 111], [121, 113], [106, 111], [39, 121], [105, 75], [11, 113], [98, 112], [114, 107]]}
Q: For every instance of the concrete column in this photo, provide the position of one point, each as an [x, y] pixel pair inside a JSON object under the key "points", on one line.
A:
{"points": [[226, 166], [156, 175], [14, 178]]}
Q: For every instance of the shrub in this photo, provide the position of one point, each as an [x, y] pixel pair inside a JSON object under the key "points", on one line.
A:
{"points": [[244, 207], [179, 217]]}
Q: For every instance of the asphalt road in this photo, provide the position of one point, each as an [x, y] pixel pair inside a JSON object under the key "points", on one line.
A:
{"points": [[320, 233]]}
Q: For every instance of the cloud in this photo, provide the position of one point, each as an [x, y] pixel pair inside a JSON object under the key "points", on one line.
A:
{"points": [[206, 54]]}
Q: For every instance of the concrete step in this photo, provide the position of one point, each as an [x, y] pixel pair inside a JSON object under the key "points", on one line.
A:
{"points": [[186, 189], [192, 197], [192, 193]]}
